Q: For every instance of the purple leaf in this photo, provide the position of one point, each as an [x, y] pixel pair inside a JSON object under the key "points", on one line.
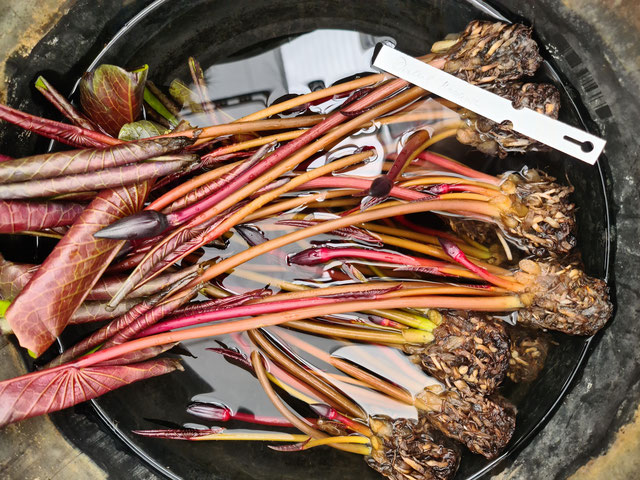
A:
{"points": [[62, 387], [42, 310], [111, 96], [179, 434]]}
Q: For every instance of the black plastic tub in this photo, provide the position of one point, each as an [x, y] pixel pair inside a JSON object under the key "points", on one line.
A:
{"points": [[162, 35]]}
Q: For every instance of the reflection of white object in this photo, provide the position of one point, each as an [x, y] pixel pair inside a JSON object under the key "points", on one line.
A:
{"points": [[326, 55], [388, 362], [551, 132], [375, 403]]}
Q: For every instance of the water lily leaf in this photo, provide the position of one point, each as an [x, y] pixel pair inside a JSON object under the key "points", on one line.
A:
{"points": [[57, 388], [141, 129], [111, 96]]}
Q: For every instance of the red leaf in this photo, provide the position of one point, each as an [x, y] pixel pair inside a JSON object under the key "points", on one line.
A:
{"points": [[97, 180], [13, 277], [111, 96], [58, 388], [42, 310], [61, 132], [70, 162], [18, 216]]}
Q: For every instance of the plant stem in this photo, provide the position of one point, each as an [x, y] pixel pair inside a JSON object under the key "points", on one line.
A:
{"points": [[191, 184], [456, 254], [453, 166], [362, 184], [293, 154], [413, 228], [145, 266], [254, 142], [314, 256], [489, 304], [365, 335], [296, 202], [327, 226], [403, 238], [249, 309], [317, 95], [385, 387], [253, 436], [327, 392], [258, 365], [188, 213], [224, 414], [446, 180]]}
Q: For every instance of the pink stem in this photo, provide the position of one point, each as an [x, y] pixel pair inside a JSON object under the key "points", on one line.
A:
{"points": [[313, 256], [242, 311], [225, 414], [486, 304], [456, 167], [458, 255]]}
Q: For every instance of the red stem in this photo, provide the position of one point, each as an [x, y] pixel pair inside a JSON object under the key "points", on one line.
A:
{"points": [[62, 132], [284, 151], [313, 256], [225, 414], [414, 143], [456, 167], [487, 304], [243, 311], [458, 255]]}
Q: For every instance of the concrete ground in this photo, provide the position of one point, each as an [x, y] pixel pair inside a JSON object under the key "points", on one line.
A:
{"points": [[576, 443]]}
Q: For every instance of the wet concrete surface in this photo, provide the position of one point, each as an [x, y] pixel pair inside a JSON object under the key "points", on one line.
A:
{"points": [[594, 433]]}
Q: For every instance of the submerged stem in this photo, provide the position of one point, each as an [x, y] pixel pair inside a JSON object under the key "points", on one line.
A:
{"points": [[327, 226], [490, 304]]}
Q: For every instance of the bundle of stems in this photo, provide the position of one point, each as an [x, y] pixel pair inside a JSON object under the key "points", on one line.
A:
{"points": [[343, 244]]}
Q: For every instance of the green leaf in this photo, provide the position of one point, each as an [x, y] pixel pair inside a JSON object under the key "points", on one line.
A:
{"points": [[4, 304], [184, 96], [112, 96], [141, 129], [155, 103]]}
